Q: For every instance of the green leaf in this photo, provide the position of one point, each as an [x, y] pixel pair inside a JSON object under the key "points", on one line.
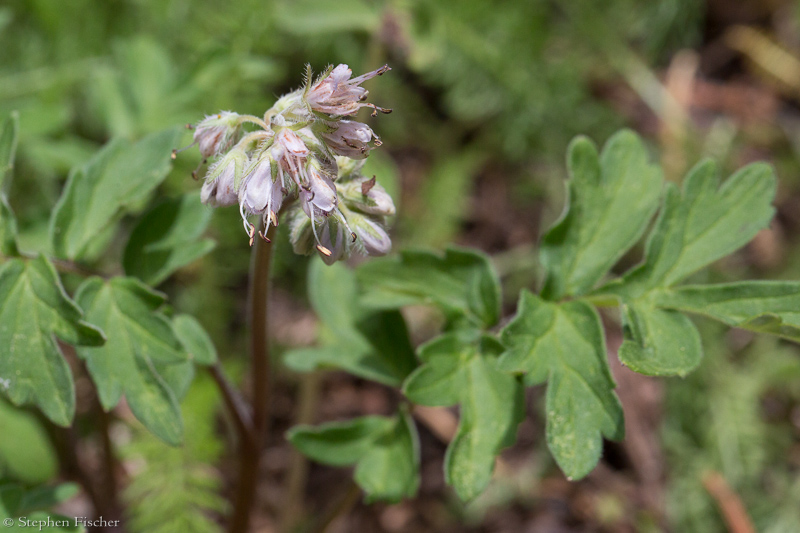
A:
{"points": [[167, 238], [461, 367], [385, 451], [9, 132], [463, 283], [763, 306], [611, 199], [696, 226], [703, 223], [8, 230], [658, 342], [373, 345], [564, 345], [194, 339], [34, 308], [28, 456], [139, 338], [45, 497], [120, 175]]}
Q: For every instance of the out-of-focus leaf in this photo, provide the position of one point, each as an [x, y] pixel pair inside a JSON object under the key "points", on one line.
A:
{"points": [[167, 238], [194, 339], [33, 309], [26, 453], [120, 175], [461, 367], [611, 199], [368, 343], [9, 131], [563, 344], [8, 230], [307, 17], [463, 283], [139, 338], [385, 451]]}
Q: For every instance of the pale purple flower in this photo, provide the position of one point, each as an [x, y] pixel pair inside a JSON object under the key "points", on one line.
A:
{"points": [[338, 95]]}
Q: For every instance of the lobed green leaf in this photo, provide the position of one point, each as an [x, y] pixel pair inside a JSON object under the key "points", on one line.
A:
{"points": [[611, 197], [762, 306], [702, 223], [564, 345], [461, 367], [33, 309], [140, 339]]}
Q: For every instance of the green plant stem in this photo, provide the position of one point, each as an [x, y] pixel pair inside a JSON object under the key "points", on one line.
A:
{"points": [[250, 450]]}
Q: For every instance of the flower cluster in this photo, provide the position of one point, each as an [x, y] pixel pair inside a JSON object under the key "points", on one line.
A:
{"points": [[304, 156]]}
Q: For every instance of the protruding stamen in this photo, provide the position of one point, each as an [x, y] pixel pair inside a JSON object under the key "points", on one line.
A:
{"points": [[353, 236], [324, 251], [190, 126], [252, 233], [174, 154], [195, 177], [266, 239], [273, 217]]}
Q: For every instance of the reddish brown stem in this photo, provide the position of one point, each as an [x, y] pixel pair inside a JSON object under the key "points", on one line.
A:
{"points": [[240, 412], [250, 450]]}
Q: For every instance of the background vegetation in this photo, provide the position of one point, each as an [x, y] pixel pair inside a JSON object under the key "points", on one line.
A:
{"points": [[486, 96]]}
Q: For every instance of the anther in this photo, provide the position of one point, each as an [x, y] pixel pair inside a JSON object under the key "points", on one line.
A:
{"points": [[367, 186], [195, 177], [273, 217], [252, 233], [174, 154], [266, 239], [353, 236], [190, 126], [324, 251]]}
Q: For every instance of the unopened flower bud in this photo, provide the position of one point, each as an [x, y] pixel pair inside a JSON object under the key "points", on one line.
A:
{"points": [[370, 233], [216, 133], [351, 139], [224, 176], [365, 195], [219, 192]]}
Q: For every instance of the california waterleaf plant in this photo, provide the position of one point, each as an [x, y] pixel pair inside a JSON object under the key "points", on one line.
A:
{"points": [[300, 163]]}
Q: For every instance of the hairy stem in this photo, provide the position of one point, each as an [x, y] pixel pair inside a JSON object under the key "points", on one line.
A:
{"points": [[250, 450]]}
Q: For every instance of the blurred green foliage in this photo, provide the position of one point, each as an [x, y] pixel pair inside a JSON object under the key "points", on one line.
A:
{"points": [[476, 85]]}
